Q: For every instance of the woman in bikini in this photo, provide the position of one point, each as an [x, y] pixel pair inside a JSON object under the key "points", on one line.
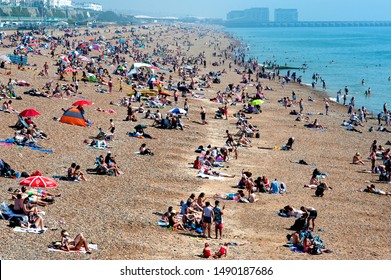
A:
{"points": [[73, 245]]}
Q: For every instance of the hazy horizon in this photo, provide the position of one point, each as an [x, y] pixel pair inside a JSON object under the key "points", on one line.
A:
{"points": [[315, 10]]}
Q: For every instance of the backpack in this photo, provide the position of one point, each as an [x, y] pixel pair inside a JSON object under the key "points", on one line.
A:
{"points": [[257, 135]]}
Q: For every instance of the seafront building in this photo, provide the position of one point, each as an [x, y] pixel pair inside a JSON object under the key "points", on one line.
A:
{"points": [[286, 15], [253, 15], [53, 4]]}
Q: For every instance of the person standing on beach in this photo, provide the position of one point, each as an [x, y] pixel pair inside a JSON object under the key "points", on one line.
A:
{"points": [[352, 101], [176, 97], [207, 215], [301, 105], [372, 156], [226, 111], [186, 108], [120, 84], [203, 115], [327, 106], [338, 95], [218, 219], [312, 214], [46, 69], [110, 85], [385, 108]]}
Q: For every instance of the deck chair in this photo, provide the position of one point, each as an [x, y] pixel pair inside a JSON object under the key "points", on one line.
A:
{"points": [[6, 212]]}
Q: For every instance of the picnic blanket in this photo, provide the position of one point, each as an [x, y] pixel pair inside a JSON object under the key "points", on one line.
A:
{"points": [[30, 230], [53, 248]]}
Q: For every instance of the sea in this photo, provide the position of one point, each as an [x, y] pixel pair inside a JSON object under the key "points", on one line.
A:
{"points": [[342, 56]]}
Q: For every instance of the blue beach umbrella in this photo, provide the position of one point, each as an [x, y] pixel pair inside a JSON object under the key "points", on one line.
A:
{"points": [[177, 111]]}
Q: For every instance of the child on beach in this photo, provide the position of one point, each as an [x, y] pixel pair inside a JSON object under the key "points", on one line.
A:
{"points": [[222, 252], [206, 252]]}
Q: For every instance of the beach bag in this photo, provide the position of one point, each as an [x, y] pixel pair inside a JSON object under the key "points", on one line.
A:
{"points": [[15, 221], [257, 135]]}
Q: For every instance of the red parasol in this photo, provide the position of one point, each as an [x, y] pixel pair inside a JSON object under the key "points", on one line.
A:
{"points": [[29, 113], [38, 182], [82, 103]]}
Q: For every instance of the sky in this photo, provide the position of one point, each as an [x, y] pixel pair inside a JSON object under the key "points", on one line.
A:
{"points": [[309, 10]]}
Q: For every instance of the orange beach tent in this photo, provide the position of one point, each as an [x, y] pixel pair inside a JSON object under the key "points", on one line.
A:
{"points": [[73, 116]]}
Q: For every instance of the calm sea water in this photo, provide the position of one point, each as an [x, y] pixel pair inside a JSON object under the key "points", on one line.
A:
{"points": [[341, 56]]}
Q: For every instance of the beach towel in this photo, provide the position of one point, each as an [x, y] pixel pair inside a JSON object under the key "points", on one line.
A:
{"points": [[6, 144], [162, 223], [93, 247], [30, 230]]}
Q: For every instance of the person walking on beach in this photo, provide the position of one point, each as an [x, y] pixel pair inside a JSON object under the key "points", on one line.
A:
{"points": [[338, 95], [203, 115]]}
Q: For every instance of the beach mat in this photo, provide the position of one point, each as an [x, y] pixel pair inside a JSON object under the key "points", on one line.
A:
{"points": [[93, 247], [29, 230]]}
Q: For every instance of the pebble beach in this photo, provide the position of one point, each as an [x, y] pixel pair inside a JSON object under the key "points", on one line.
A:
{"points": [[120, 213]]}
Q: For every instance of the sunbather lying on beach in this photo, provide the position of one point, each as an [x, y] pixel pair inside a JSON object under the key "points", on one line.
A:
{"points": [[40, 197], [315, 124], [209, 171], [372, 189]]}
